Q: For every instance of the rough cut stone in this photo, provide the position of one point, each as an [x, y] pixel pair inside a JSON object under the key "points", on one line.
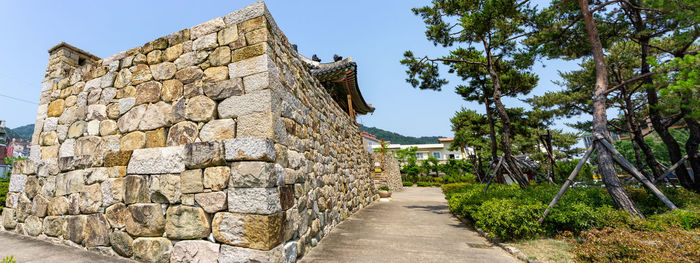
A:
{"points": [[261, 232], [195, 251], [8, 218], [152, 250], [157, 160], [77, 129], [122, 243], [233, 254], [125, 104], [108, 127], [96, 231], [182, 133], [255, 174], [211, 202], [154, 57], [48, 138], [130, 121], [186, 222], [228, 35], [87, 145], [206, 42], [155, 138], [117, 215], [91, 199], [148, 92], [120, 158], [97, 112], [39, 206], [204, 154], [140, 74], [216, 178], [135, 189], [33, 225], [220, 57], [200, 108], [53, 225], [251, 66], [17, 183], [223, 89], [132, 141], [56, 108], [57, 206], [72, 114], [206, 28], [74, 204], [249, 51], [190, 59], [157, 115], [123, 79], [165, 188], [75, 228], [189, 74], [112, 191], [250, 149], [215, 74], [71, 182], [215, 130], [32, 186], [246, 104], [191, 181], [173, 52], [254, 200], [172, 90], [146, 220], [163, 71]]}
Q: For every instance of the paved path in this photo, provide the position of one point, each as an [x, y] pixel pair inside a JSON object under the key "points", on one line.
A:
{"points": [[416, 226], [28, 250]]}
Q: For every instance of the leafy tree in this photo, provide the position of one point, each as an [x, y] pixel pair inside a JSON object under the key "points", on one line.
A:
{"points": [[489, 29]]}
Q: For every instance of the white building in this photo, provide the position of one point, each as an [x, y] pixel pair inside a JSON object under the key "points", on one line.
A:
{"points": [[438, 150]]}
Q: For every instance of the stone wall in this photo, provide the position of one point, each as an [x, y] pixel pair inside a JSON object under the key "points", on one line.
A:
{"points": [[214, 142], [390, 175]]}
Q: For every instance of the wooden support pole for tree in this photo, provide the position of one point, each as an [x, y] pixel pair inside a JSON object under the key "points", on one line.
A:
{"points": [[566, 184], [670, 170], [631, 169], [495, 171]]}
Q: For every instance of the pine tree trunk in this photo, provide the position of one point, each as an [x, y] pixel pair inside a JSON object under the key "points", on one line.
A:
{"points": [[605, 160], [691, 146], [505, 120], [638, 141]]}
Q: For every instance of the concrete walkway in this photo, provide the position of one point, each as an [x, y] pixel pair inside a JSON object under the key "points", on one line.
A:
{"points": [[415, 226], [28, 250]]}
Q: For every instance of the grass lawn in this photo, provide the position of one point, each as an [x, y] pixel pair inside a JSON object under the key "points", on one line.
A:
{"points": [[547, 250]]}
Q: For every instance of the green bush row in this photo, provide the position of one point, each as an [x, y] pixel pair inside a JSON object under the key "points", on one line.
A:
{"points": [[511, 213], [427, 184], [406, 183], [3, 193]]}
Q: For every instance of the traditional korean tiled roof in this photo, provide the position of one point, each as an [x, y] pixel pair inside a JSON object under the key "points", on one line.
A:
{"points": [[338, 78]]}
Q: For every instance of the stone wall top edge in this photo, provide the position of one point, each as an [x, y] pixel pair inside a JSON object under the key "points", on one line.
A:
{"points": [[251, 11]]}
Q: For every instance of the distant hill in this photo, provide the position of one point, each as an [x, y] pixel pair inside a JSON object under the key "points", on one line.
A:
{"points": [[25, 132], [398, 138]]}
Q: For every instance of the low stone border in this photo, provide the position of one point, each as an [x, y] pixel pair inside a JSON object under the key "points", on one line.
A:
{"points": [[513, 251]]}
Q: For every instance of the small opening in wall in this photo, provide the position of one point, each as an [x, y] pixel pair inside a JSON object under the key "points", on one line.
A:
{"points": [[81, 61]]}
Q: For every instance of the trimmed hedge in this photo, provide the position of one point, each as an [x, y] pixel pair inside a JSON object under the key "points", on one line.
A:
{"points": [[511, 213]]}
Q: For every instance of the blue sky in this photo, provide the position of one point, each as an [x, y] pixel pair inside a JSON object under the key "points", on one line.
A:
{"points": [[374, 33]]}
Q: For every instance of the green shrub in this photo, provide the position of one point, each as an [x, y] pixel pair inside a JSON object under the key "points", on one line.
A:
{"points": [[384, 188], [426, 184], [447, 189], [574, 217], [3, 193], [407, 183], [508, 219], [9, 259], [685, 219]]}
